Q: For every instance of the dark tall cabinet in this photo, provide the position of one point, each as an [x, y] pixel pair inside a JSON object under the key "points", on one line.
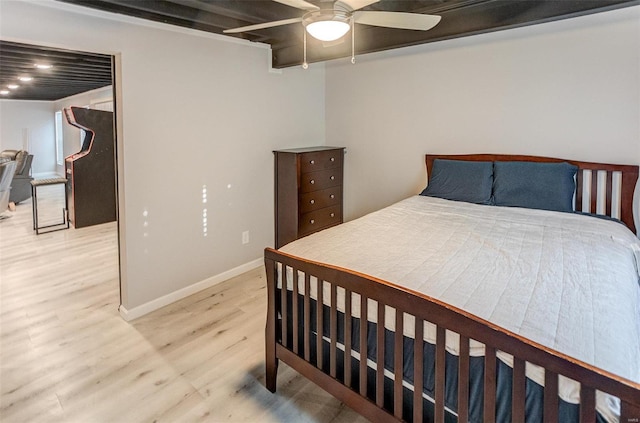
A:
{"points": [[308, 191], [91, 172]]}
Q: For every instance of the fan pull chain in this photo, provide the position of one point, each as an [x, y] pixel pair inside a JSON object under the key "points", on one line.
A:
{"points": [[305, 65], [353, 43]]}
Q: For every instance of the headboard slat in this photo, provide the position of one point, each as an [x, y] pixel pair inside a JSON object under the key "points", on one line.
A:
{"points": [[594, 192], [609, 192], [628, 179], [579, 189]]}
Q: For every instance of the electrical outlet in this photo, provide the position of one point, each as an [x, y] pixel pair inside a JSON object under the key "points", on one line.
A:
{"points": [[245, 237]]}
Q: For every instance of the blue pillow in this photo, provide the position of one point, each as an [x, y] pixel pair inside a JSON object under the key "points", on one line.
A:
{"points": [[460, 180], [546, 186]]}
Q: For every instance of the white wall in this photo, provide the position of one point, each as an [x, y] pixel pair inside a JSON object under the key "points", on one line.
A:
{"points": [[196, 111], [567, 89], [71, 134], [29, 125]]}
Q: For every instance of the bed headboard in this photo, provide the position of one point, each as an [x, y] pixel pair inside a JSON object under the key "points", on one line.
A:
{"points": [[601, 188]]}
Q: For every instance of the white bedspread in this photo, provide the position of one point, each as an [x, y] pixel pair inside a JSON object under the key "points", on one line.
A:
{"points": [[566, 281]]}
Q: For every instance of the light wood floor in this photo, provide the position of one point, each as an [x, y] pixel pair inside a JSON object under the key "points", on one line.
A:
{"points": [[67, 356]]}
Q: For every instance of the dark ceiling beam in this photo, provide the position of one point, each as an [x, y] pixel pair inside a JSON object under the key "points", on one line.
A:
{"points": [[449, 6], [13, 50], [195, 14], [34, 49], [28, 63], [246, 11], [63, 79], [16, 72], [11, 67], [165, 12]]}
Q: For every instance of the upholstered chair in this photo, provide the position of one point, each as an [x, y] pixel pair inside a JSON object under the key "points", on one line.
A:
{"points": [[7, 170], [21, 186]]}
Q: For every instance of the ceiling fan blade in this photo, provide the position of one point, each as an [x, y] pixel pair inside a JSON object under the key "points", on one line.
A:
{"points": [[299, 4], [357, 4], [402, 20], [262, 25]]}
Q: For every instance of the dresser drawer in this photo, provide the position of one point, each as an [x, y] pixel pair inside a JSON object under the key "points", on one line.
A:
{"points": [[320, 199], [315, 181], [319, 219], [320, 160]]}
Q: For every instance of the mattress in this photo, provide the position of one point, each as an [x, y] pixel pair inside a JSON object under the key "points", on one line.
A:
{"points": [[566, 281]]}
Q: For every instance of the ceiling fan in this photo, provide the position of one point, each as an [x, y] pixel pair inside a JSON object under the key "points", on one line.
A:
{"points": [[330, 24]]}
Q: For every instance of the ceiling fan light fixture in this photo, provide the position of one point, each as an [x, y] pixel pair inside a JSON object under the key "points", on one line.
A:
{"points": [[326, 25], [327, 30]]}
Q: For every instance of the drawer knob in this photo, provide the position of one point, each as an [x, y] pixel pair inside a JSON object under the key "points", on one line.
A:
{"points": [[312, 221], [333, 159], [333, 177], [333, 215], [312, 182], [312, 201], [332, 196], [312, 162]]}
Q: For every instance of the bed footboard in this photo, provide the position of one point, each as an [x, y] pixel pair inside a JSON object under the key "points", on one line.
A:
{"points": [[339, 357]]}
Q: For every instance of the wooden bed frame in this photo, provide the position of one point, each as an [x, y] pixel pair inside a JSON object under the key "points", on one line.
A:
{"points": [[283, 343]]}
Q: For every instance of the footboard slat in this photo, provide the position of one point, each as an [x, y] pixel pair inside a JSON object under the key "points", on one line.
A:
{"points": [[294, 310], [307, 317], [418, 370], [518, 391], [489, 384], [629, 412], [333, 330], [283, 313], [463, 380], [347, 338], [550, 396], [587, 404], [319, 325], [364, 304], [398, 358], [380, 356], [440, 377]]}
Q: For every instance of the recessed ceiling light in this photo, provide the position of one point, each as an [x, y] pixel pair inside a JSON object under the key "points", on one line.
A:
{"points": [[25, 78], [4, 92], [43, 66], [12, 86]]}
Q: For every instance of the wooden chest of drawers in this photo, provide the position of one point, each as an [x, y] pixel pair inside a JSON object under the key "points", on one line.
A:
{"points": [[308, 191]]}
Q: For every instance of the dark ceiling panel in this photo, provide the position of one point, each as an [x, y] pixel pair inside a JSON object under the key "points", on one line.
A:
{"points": [[459, 18], [463, 18], [72, 72]]}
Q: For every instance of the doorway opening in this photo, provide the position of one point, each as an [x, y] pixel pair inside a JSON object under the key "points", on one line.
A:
{"points": [[49, 81]]}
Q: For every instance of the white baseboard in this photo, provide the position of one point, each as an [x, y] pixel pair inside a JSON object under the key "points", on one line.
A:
{"points": [[153, 305]]}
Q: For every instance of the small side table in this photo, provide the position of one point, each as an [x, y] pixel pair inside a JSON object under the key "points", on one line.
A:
{"points": [[34, 194]]}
